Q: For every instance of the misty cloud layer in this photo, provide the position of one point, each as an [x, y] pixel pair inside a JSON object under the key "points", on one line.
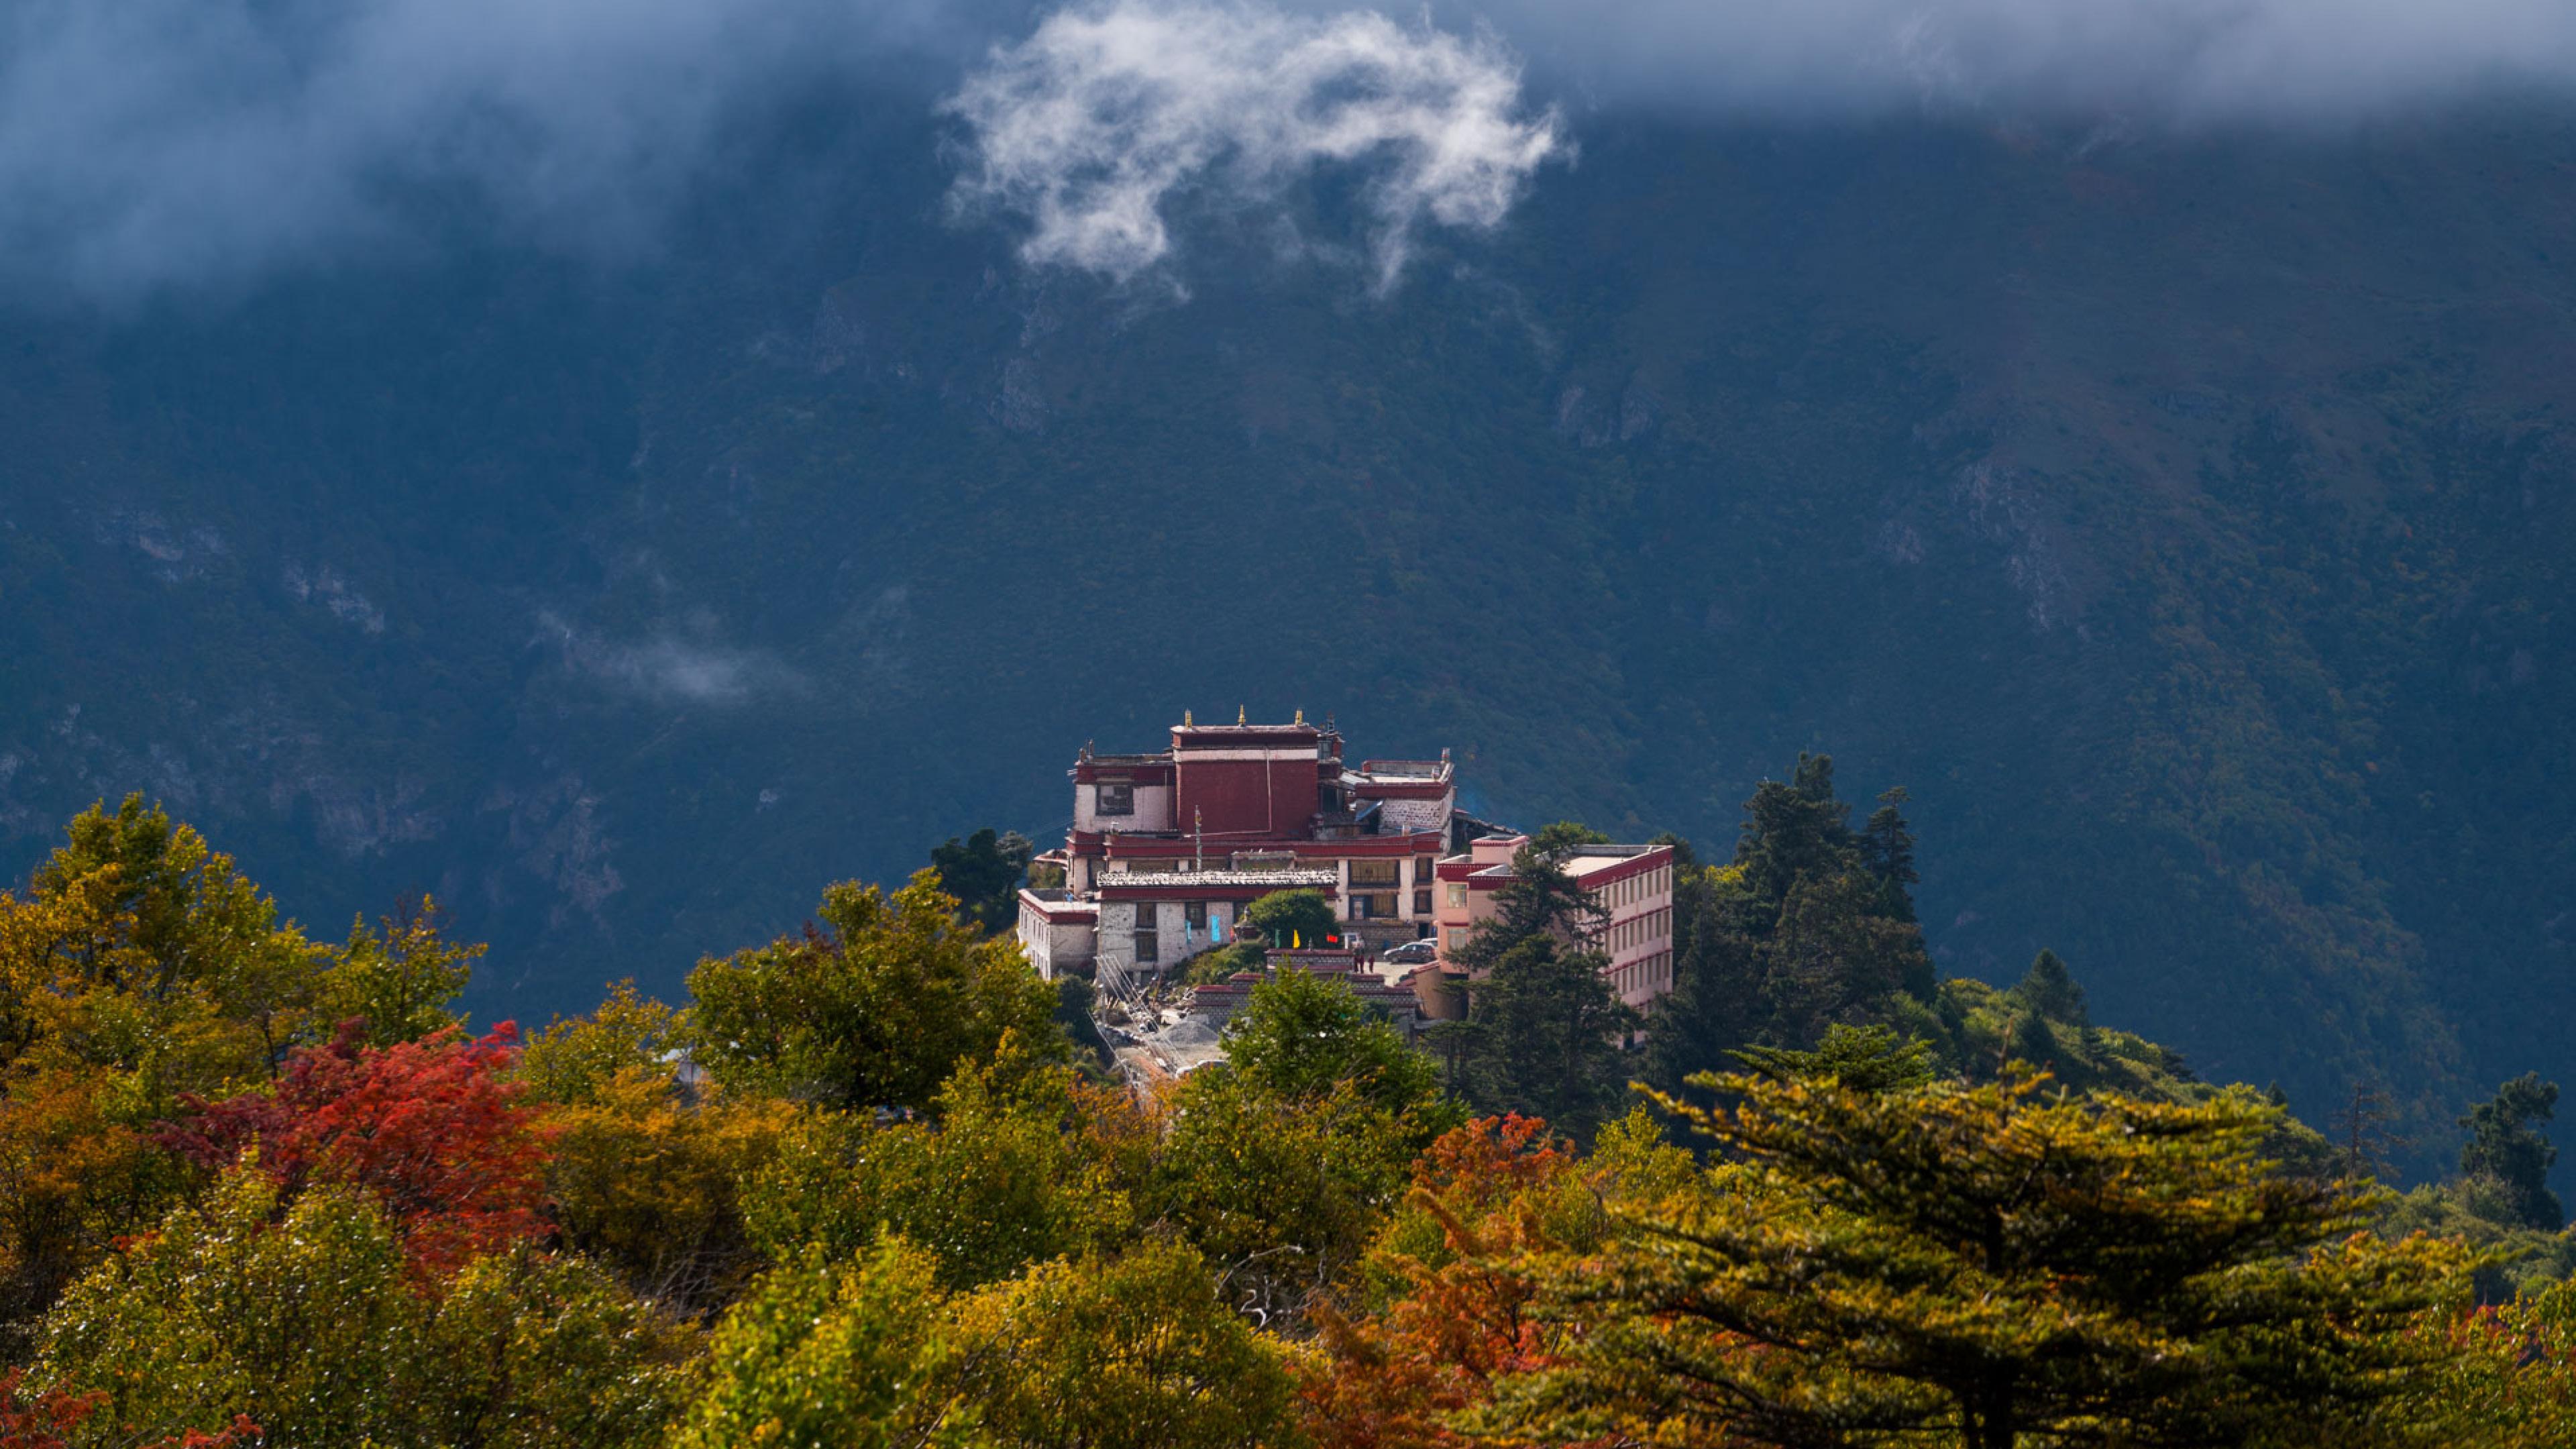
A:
{"points": [[152, 143], [1093, 122], [2302, 62]]}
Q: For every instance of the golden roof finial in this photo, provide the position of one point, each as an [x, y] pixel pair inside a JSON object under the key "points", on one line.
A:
{"points": [[1185, 719], [1238, 714], [1301, 716]]}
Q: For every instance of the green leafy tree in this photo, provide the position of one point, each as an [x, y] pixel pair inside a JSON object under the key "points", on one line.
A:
{"points": [[1831, 956], [1554, 840], [185, 915], [1716, 1000], [401, 980], [875, 1011], [2507, 1147], [2030, 1042], [984, 872], [2505, 1376], [1791, 832], [1279, 1194], [143, 950], [1810, 926], [570, 1061], [830, 1355], [651, 1182], [304, 1315], [306, 1325], [141, 966], [1301, 1035], [1991, 1266], [1003, 1177], [1285, 917], [1132, 1352], [535, 1350]]}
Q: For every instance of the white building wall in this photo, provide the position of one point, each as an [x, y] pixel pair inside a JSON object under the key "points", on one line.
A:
{"points": [[1054, 947], [1153, 810]]}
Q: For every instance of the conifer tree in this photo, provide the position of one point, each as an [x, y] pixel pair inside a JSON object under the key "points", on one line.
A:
{"points": [[1991, 1266], [1887, 852], [2049, 989], [1547, 1038], [984, 872], [2507, 1148]]}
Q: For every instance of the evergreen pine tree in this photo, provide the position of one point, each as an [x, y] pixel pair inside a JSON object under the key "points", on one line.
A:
{"points": [[2506, 1147], [1887, 852], [1990, 1267], [2049, 989], [1546, 1037]]}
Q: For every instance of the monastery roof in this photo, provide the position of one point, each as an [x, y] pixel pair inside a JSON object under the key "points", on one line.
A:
{"points": [[1202, 879], [1411, 817]]}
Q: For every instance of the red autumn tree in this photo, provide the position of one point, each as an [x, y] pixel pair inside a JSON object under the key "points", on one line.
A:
{"points": [[43, 1422], [47, 1421], [1459, 1315], [435, 1129]]}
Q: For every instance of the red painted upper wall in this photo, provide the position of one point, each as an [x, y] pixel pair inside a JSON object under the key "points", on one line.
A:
{"points": [[1272, 797]]}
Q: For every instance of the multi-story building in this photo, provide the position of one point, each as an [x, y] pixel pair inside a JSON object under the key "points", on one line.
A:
{"points": [[1166, 848], [1632, 885]]}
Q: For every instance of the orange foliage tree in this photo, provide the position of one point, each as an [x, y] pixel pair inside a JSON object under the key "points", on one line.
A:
{"points": [[1455, 1304]]}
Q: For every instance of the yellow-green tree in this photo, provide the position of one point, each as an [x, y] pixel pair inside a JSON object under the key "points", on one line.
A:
{"points": [[304, 1315], [2505, 1376], [652, 1182], [1279, 1164], [1132, 1352], [402, 979], [140, 965], [1990, 1266], [1007, 1174], [825, 1355], [874, 1009]]}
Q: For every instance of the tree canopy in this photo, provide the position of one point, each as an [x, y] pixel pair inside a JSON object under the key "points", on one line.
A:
{"points": [[874, 1008]]}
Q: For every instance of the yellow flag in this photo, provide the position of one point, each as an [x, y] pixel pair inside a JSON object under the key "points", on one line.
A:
{"points": [[1295, 944]]}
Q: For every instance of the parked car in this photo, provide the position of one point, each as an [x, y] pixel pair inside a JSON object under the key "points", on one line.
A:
{"points": [[1412, 953]]}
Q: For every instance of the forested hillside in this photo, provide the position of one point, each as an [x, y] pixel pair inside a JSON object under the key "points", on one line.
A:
{"points": [[2182, 521], [860, 1185]]}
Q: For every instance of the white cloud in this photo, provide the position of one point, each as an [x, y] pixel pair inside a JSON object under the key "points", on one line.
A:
{"points": [[1092, 125], [668, 667], [154, 143]]}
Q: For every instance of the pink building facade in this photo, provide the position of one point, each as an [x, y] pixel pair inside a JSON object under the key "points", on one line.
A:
{"points": [[1632, 884]]}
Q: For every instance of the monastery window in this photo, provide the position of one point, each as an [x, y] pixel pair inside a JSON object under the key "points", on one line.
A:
{"points": [[1196, 914], [1422, 902], [1457, 894], [1117, 799], [1373, 872]]}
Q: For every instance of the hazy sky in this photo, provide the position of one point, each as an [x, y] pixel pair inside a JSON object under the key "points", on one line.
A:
{"points": [[146, 143]]}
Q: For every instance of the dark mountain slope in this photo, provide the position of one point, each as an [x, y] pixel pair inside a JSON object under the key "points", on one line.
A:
{"points": [[2185, 522]]}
